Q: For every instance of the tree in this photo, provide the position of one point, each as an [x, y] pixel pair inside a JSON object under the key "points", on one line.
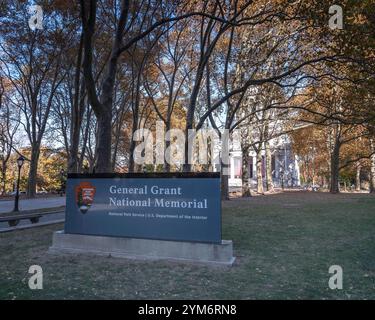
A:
{"points": [[32, 63], [166, 79], [9, 123], [336, 107], [134, 23]]}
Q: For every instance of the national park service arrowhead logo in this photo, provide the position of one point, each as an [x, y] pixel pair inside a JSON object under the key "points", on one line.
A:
{"points": [[85, 193]]}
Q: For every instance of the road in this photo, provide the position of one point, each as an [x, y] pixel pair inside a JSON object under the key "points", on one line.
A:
{"points": [[31, 204]]}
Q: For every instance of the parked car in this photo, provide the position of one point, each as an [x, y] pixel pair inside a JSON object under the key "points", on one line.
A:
{"points": [[42, 192], [311, 187], [14, 193]]}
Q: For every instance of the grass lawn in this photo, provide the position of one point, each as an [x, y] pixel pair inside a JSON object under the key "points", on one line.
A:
{"points": [[284, 244]]}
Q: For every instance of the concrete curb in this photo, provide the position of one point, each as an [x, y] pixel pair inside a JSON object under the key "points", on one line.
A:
{"points": [[145, 249]]}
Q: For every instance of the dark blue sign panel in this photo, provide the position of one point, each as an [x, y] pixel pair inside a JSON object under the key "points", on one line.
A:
{"points": [[184, 207]]}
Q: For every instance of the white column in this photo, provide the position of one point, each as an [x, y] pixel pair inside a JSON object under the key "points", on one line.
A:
{"points": [[232, 167]]}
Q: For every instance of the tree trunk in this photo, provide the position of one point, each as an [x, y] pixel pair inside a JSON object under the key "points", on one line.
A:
{"points": [[372, 166], [73, 153], [76, 114], [187, 150], [31, 183], [132, 146], [167, 156], [114, 154], [103, 163], [135, 118], [335, 168], [259, 171], [3, 178], [102, 107], [269, 181], [117, 135], [85, 139], [246, 191], [74, 161], [358, 177]]}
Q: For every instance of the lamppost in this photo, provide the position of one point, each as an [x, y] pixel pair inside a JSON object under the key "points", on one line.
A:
{"points": [[20, 162]]}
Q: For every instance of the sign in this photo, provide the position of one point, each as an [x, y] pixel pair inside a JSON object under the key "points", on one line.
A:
{"points": [[163, 206]]}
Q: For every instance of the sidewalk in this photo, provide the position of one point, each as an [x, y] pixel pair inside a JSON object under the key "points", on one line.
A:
{"points": [[31, 204]]}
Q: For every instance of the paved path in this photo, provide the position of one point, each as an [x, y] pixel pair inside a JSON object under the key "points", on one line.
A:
{"points": [[31, 204]]}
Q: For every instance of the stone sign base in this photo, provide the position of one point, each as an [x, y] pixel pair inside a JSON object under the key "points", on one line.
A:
{"points": [[206, 253]]}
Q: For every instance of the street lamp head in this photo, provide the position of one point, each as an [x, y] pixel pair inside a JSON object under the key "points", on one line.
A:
{"points": [[20, 161]]}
